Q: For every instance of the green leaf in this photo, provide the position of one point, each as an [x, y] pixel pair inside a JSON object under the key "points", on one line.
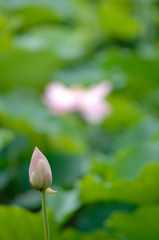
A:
{"points": [[91, 217], [5, 41], [61, 8], [141, 224], [25, 113], [139, 71], [17, 223], [102, 166], [72, 235], [92, 189], [119, 14], [6, 136], [22, 68], [131, 161], [35, 15], [125, 113], [86, 73], [143, 189], [63, 42], [67, 168], [29, 199], [5, 178], [63, 204], [145, 130]]}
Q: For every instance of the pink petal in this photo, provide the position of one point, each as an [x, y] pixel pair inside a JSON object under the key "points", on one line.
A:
{"points": [[97, 113], [35, 157], [94, 95], [99, 90], [89, 102], [59, 98]]}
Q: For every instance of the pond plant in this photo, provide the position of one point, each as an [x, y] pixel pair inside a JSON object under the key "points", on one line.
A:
{"points": [[40, 178]]}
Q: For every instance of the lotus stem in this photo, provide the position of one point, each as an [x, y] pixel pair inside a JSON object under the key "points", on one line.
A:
{"points": [[45, 218]]}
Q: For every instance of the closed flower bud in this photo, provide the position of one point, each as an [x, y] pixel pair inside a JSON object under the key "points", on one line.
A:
{"points": [[40, 175]]}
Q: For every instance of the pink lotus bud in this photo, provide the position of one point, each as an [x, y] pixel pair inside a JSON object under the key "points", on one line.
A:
{"points": [[40, 175]]}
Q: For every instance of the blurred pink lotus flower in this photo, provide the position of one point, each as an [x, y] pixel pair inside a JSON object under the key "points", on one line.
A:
{"points": [[40, 175], [89, 102]]}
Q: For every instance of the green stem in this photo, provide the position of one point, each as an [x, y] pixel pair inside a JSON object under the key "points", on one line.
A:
{"points": [[45, 219]]}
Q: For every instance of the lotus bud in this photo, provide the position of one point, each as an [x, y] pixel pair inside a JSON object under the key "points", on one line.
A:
{"points": [[40, 175]]}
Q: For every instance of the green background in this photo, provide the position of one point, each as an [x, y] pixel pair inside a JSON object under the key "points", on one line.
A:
{"points": [[107, 176]]}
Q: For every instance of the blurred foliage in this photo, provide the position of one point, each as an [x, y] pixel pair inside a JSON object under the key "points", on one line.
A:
{"points": [[107, 176], [137, 222]]}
